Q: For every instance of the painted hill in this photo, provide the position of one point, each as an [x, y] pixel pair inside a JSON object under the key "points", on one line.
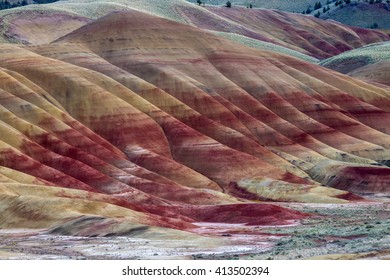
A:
{"points": [[305, 34], [128, 124]]}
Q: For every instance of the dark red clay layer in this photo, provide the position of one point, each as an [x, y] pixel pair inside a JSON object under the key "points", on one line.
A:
{"points": [[250, 214], [235, 190], [350, 197]]}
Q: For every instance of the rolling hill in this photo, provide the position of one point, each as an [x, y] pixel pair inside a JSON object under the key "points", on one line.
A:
{"points": [[153, 123], [305, 34]]}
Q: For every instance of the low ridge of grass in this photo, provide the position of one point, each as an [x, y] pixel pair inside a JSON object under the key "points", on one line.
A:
{"points": [[366, 55], [253, 43], [288, 6]]}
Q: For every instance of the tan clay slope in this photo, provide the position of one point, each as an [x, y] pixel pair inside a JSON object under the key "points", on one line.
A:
{"points": [[378, 73], [175, 123], [39, 27]]}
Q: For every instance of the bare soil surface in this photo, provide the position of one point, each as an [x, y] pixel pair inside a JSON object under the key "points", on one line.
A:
{"points": [[335, 231]]}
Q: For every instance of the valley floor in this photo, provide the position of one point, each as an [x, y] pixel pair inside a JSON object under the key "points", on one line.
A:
{"points": [[349, 231]]}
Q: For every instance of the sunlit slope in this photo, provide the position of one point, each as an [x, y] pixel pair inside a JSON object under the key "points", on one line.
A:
{"points": [[260, 86], [176, 125]]}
